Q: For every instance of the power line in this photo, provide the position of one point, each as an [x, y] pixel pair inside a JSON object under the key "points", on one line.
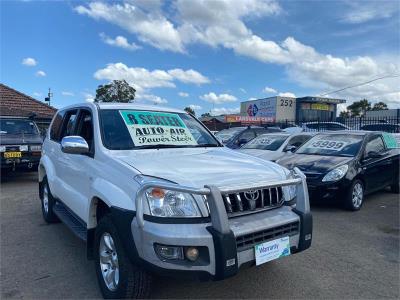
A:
{"points": [[360, 84]]}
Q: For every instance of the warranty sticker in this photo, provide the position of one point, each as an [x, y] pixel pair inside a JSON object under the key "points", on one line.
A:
{"points": [[156, 128]]}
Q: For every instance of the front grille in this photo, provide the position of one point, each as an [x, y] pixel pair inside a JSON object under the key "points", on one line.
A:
{"points": [[252, 201], [248, 241]]}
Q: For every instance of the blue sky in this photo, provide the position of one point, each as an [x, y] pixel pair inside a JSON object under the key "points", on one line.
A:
{"points": [[208, 54]]}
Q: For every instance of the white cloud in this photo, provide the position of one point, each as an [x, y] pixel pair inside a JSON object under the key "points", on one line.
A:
{"points": [[252, 98], [287, 94], [224, 111], [151, 98], [119, 41], [194, 106], [40, 73], [243, 90], [145, 21], [188, 76], [269, 90], [37, 94], [364, 11], [29, 61], [142, 79], [183, 94], [223, 24], [66, 93], [88, 96], [218, 99]]}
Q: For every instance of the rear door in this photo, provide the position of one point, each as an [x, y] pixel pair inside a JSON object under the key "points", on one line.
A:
{"points": [[378, 170]]}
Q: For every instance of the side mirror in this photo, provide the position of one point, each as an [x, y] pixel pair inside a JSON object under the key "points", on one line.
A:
{"points": [[74, 145], [290, 149], [242, 142]]}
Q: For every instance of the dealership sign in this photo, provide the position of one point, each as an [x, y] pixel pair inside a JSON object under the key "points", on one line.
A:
{"points": [[248, 119]]}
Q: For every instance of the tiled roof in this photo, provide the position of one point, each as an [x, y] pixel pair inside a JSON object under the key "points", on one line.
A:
{"points": [[14, 103]]}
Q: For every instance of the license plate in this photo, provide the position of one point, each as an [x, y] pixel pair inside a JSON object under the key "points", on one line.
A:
{"points": [[12, 154], [272, 250]]}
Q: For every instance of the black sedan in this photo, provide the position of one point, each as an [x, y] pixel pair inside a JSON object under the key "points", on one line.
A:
{"points": [[345, 166]]}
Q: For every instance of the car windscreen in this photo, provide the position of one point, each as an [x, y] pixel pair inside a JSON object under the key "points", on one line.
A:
{"points": [[13, 126], [266, 142], [332, 145], [139, 129], [227, 134]]}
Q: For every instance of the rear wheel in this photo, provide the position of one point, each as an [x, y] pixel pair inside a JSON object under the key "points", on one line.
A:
{"points": [[117, 276], [47, 202], [355, 196]]}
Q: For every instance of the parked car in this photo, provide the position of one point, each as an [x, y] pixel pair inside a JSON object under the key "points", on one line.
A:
{"points": [[346, 166], [235, 137], [148, 198], [272, 146], [324, 126], [394, 128], [20, 144]]}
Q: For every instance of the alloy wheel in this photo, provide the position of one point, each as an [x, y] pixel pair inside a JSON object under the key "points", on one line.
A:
{"points": [[357, 195], [109, 261], [46, 199]]}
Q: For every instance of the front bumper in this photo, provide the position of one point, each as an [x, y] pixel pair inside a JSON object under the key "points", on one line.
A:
{"points": [[26, 161], [229, 242], [327, 190]]}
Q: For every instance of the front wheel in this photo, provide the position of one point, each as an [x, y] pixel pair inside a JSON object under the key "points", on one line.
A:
{"points": [[48, 202], [117, 276], [355, 196]]}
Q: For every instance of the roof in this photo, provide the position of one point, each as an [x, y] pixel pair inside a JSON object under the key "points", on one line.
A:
{"points": [[136, 106], [17, 104], [320, 99]]}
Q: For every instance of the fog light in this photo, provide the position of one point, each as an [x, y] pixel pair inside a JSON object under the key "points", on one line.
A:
{"points": [[169, 252], [191, 253]]}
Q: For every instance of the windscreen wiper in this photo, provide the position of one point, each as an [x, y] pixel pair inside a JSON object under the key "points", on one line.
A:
{"points": [[207, 145], [161, 146]]}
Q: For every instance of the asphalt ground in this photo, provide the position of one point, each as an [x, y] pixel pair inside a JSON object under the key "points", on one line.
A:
{"points": [[354, 255]]}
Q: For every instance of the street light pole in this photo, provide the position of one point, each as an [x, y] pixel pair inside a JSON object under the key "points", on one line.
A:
{"points": [[49, 96]]}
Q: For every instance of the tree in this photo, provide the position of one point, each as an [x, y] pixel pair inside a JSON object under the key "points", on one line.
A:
{"points": [[190, 110], [344, 114], [207, 114], [379, 106], [115, 91], [359, 108]]}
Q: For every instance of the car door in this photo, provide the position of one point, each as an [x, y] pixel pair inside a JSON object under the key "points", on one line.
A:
{"points": [[79, 167], [62, 160], [378, 170]]}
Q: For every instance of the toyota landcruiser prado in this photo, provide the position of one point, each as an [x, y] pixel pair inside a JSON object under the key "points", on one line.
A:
{"points": [[152, 191]]}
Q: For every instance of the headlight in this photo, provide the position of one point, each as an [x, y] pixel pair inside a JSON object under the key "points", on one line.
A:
{"points": [[23, 148], [166, 203], [36, 148], [336, 174], [2, 148], [289, 192]]}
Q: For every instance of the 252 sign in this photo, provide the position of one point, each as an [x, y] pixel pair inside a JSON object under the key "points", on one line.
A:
{"points": [[286, 102]]}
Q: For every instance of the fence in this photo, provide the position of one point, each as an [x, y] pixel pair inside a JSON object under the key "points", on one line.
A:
{"points": [[387, 124]]}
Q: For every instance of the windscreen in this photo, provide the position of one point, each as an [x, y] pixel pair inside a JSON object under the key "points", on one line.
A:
{"points": [[227, 134], [11, 126], [266, 142], [138, 129], [333, 145]]}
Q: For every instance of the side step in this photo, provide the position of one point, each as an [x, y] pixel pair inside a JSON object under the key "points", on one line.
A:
{"points": [[77, 226]]}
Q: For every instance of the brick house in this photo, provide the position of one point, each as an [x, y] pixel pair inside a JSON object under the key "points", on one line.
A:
{"points": [[16, 104]]}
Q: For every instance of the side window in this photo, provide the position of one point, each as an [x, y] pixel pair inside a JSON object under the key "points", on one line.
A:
{"points": [[85, 128], [297, 141], [260, 131], [68, 124], [247, 135], [56, 126], [376, 145]]}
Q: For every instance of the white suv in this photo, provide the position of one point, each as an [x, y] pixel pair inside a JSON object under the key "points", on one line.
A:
{"points": [[151, 190]]}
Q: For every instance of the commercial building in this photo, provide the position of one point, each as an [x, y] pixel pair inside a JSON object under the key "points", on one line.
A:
{"points": [[278, 109]]}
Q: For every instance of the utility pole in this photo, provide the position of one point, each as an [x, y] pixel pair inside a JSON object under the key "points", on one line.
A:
{"points": [[49, 96]]}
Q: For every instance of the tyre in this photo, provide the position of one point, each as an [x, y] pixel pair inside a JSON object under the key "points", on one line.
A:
{"points": [[355, 196], [395, 187], [48, 202], [117, 276]]}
